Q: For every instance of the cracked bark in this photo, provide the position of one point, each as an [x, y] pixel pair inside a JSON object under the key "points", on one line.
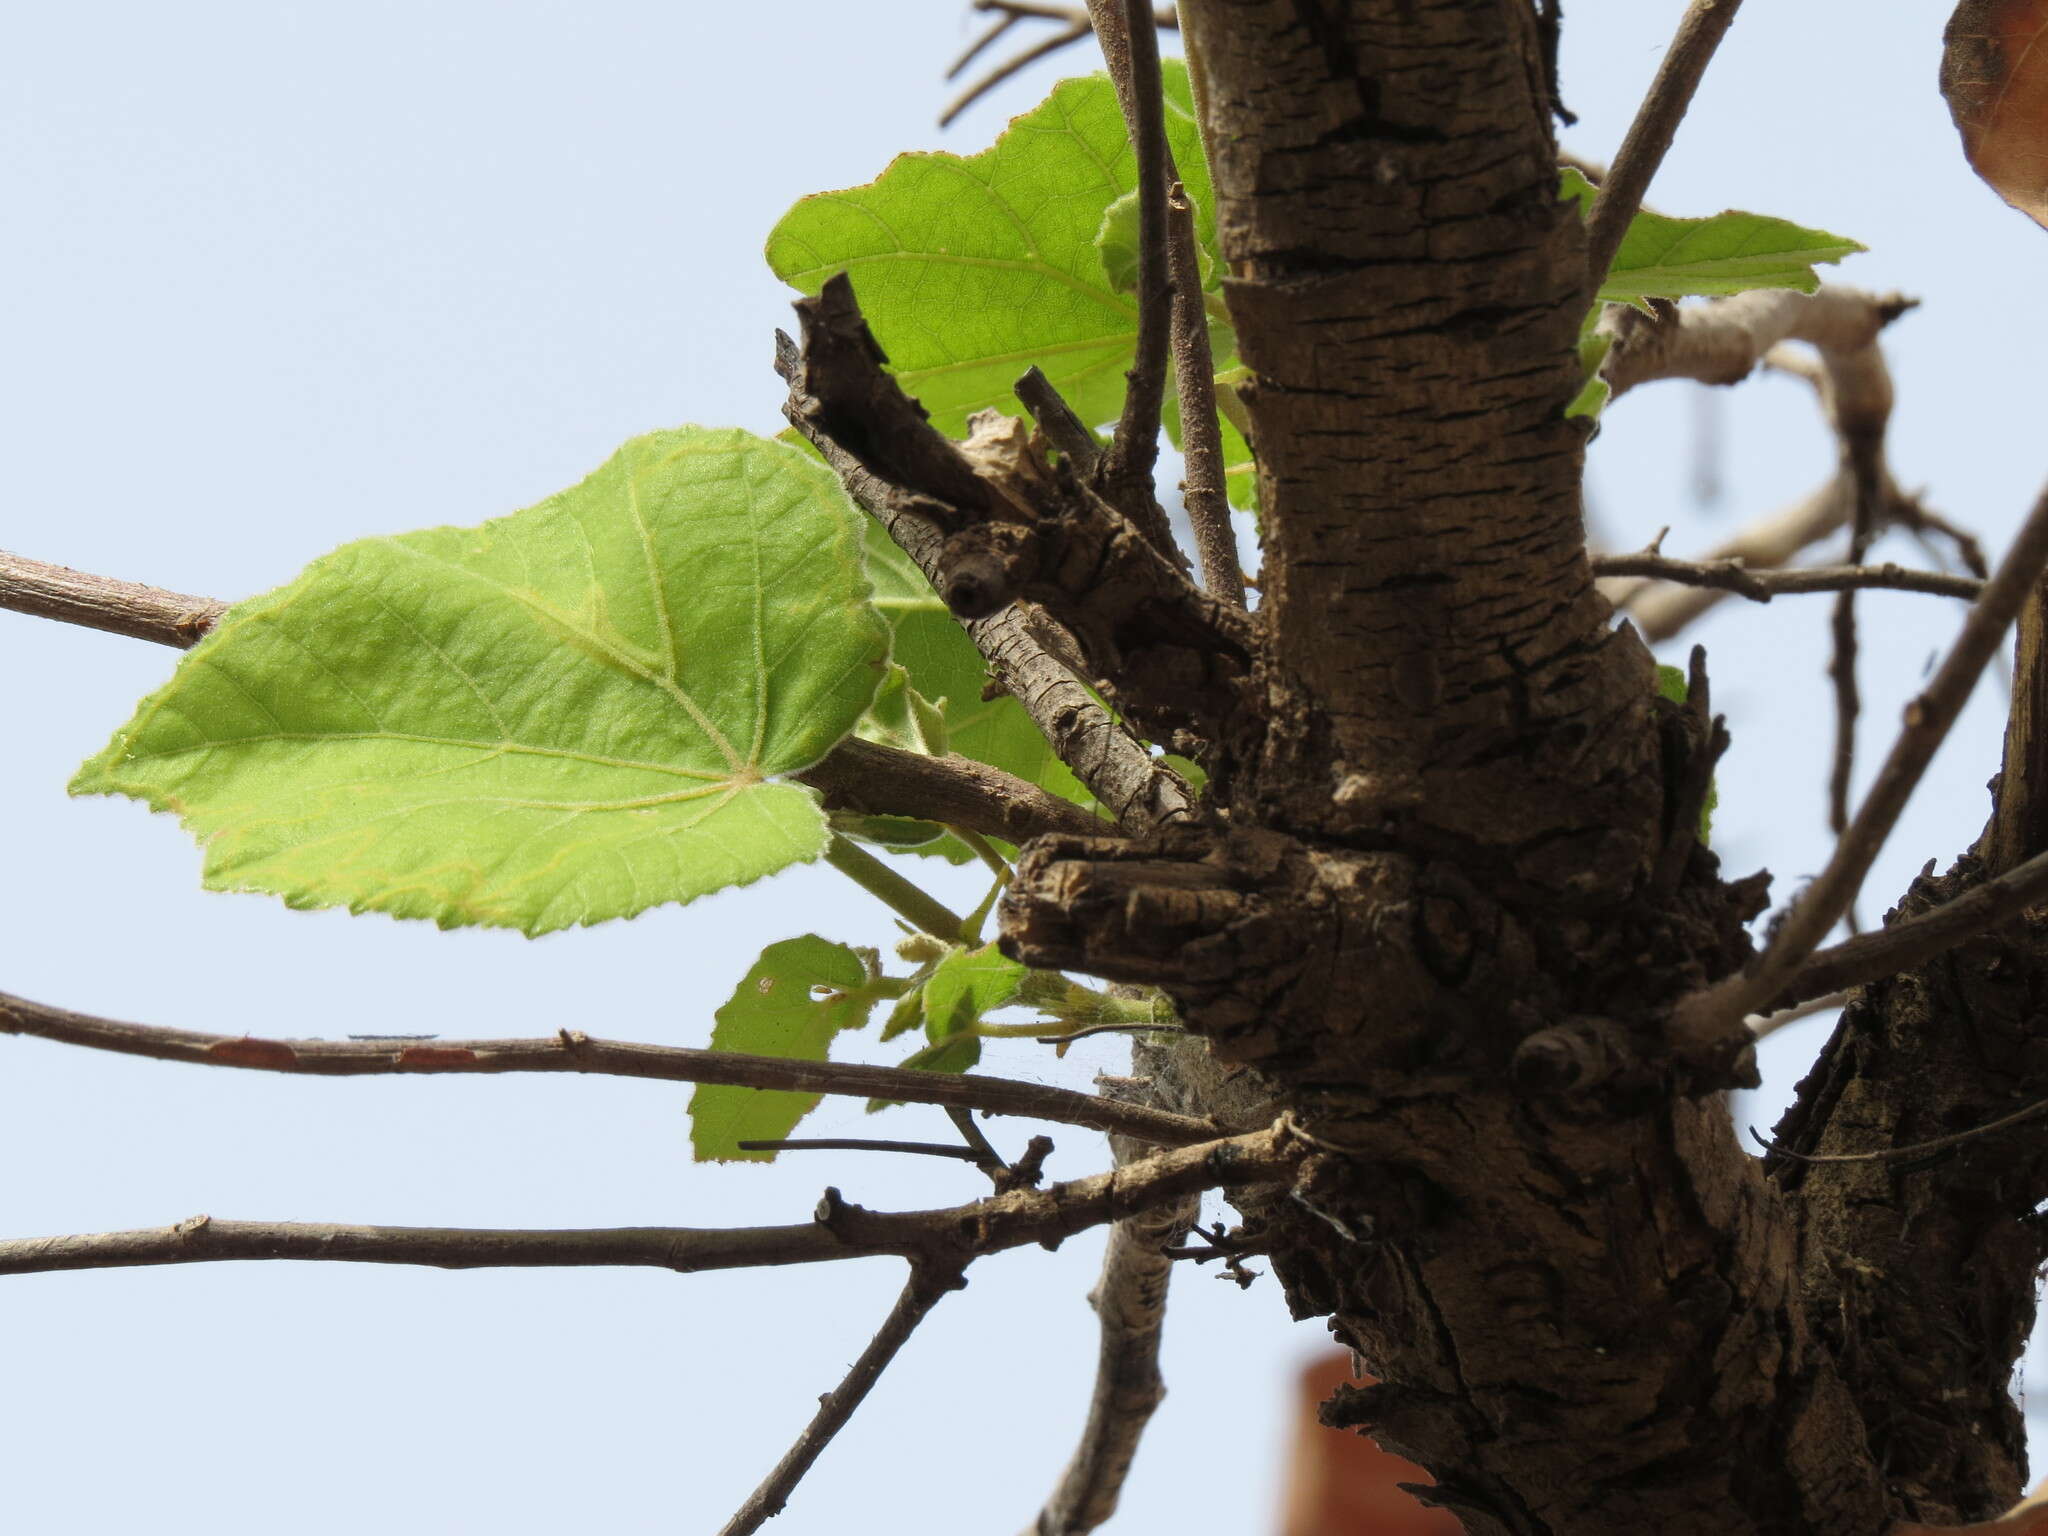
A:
{"points": [[1587, 1308]]}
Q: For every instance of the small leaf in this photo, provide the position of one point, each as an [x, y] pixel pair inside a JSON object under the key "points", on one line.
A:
{"points": [[1667, 258], [966, 985], [563, 716], [800, 993], [1116, 242], [1994, 76]]}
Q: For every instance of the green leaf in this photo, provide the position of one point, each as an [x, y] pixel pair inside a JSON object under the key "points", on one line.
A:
{"points": [[1666, 258], [971, 269], [966, 985], [1116, 244], [800, 993], [563, 716]]}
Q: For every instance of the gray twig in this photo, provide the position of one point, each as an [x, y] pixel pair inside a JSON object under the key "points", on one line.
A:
{"points": [[1201, 435], [1701, 1021], [571, 1051], [1656, 124], [920, 1294]]}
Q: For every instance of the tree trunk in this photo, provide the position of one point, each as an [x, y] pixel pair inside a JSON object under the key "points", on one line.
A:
{"points": [[1450, 889]]}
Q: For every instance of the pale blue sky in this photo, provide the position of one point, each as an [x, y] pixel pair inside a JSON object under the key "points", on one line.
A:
{"points": [[280, 275]]}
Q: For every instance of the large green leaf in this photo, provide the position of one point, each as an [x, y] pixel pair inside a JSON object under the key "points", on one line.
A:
{"points": [[972, 269], [1666, 258], [558, 717], [800, 993]]}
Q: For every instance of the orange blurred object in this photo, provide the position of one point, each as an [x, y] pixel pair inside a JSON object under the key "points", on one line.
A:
{"points": [[1339, 1483]]}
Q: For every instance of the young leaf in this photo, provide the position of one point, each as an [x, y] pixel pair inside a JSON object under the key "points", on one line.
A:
{"points": [[967, 984], [971, 269], [1666, 258], [558, 717], [800, 993]]}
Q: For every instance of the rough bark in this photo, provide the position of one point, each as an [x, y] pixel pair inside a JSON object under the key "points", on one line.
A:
{"points": [[1445, 895]]}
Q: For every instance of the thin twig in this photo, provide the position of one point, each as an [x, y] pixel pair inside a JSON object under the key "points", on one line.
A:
{"points": [[1201, 434], [1065, 37], [1916, 940], [1701, 1021], [1906, 1153], [1862, 454], [1059, 421], [1130, 1306], [920, 1294], [856, 775], [1656, 123], [99, 602], [980, 45], [863, 1144], [978, 1147], [1131, 50], [1110, 1029], [574, 1052], [1734, 575], [838, 1230], [1763, 1025], [1075, 25]]}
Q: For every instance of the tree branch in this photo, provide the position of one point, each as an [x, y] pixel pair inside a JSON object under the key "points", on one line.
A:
{"points": [[1130, 48], [918, 479], [856, 775], [920, 1294], [1704, 1022], [1075, 26], [838, 1230], [1130, 1303], [571, 1051], [99, 602], [1732, 574], [1723, 341], [1912, 942], [1642, 150], [1201, 437]]}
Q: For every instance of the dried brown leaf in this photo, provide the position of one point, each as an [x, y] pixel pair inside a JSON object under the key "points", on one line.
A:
{"points": [[1994, 76]]}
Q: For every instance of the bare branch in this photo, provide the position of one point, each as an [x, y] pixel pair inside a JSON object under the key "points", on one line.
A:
{"points": [[100, 602], [1201, 436], [838, 1230], [1138, 790], [1732, 574], [1130, 47], [1130, 1304], [1914, 1150], [574, 1052], [1723, 341], [1702, 1023], [1060, 423], [920, 1294], [864, 1144], [1074, 25], [959, 792], [1656, 123], [1068, 35], [1911, 943]]}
